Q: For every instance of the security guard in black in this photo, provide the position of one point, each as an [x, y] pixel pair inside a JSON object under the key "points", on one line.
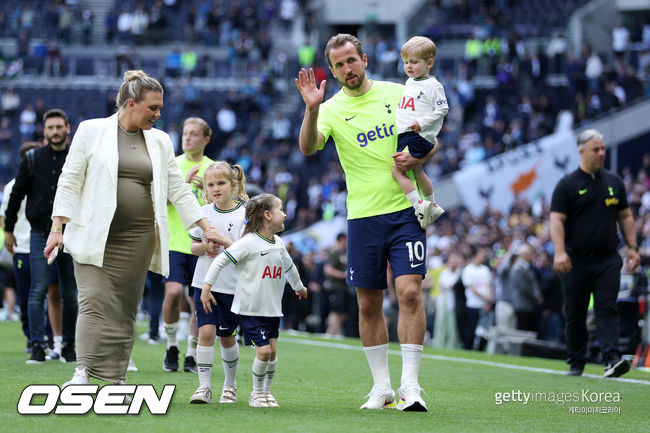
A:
{"points": [[591, 203], [587, 208]]}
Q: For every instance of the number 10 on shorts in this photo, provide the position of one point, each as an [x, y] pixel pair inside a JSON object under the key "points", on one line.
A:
{"points": [[416, 252]]}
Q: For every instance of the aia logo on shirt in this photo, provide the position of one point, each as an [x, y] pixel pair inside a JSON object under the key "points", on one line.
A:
{"points": [[273, 274], [407, 103]]}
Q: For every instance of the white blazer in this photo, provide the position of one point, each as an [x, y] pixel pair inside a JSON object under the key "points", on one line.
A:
{"points": [[86, 195]]}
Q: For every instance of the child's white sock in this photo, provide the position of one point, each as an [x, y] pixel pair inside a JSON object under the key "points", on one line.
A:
{"points": [[378, 361], [268, 379], [411, 357], [259, 374], [204, 361], [191, 346], [413, 197], [230, 360], [171, 329]]}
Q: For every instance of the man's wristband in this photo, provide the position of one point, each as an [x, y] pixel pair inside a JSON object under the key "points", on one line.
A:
{"points": [[56, 229], [633, 247]]}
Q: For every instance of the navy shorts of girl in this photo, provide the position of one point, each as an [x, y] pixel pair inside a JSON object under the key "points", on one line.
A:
{"points": [[225, 320], [259, 330], [418, 146], [374, 241]]}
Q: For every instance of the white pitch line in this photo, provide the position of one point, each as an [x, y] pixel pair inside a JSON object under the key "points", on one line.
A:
{"points": [[463, 360]]}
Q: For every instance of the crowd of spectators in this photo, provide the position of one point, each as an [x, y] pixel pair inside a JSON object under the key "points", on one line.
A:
{"points": [[459, 19], [237, 25], [49, 19]]}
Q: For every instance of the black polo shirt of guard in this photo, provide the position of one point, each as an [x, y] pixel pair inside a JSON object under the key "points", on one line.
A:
{"points": [[591, 203]]}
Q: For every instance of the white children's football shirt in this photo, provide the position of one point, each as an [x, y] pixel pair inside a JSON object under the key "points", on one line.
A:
{"points": [[231, 224], [262, 266]]}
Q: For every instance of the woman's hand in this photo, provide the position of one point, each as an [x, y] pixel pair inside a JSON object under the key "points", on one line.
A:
{"points": [[54, 242]]}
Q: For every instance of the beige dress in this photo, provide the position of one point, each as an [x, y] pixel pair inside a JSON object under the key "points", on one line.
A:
{"points": [[109, 296]]}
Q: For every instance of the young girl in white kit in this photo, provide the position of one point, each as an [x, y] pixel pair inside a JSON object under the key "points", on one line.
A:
{"points": [[262, 263], [224, 195]]}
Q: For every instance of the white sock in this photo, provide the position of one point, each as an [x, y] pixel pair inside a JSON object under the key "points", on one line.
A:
{"points": [[411, 357], [413, 197], [171, 329], [58, 343], [268, 379], [431, 197], [259, 374], [192, 341], [204, 361], [378, 361], [184, 325], [230, 360]]}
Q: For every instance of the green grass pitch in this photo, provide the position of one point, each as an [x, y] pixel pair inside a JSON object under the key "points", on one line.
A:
{"points": [[321, 383]]}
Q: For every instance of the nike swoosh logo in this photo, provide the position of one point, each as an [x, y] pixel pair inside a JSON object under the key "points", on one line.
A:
{"points": [[221, 328], [265, 253], [413, 265], [582, 191], [347, 119]]}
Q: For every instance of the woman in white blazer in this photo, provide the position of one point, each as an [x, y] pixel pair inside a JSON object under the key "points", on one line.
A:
{"points": [[112, 195]]}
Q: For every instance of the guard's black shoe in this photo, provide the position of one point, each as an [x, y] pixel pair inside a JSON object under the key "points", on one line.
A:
{"points": [[616, 367], [575, 370]]}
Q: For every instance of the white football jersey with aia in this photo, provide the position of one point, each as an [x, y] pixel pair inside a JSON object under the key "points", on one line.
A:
{"points": [[231, 224], [262, 266]]}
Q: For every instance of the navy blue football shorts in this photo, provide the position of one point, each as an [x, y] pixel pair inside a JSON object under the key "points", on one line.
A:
{"points": [[418, 146], [181, 269], [225, 320], [394, 238], [258, 330]]}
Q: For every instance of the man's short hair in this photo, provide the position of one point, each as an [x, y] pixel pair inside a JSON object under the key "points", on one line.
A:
{"points": [[588, 134], [340, 40], [341, 236], [55, 112]]}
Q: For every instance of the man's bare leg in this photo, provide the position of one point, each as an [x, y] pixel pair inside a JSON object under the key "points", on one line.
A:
{"points": [[374, 337], [411, 327]]}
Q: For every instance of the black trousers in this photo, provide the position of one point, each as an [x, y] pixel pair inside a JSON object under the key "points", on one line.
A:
{"points": [[600, 276]]}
